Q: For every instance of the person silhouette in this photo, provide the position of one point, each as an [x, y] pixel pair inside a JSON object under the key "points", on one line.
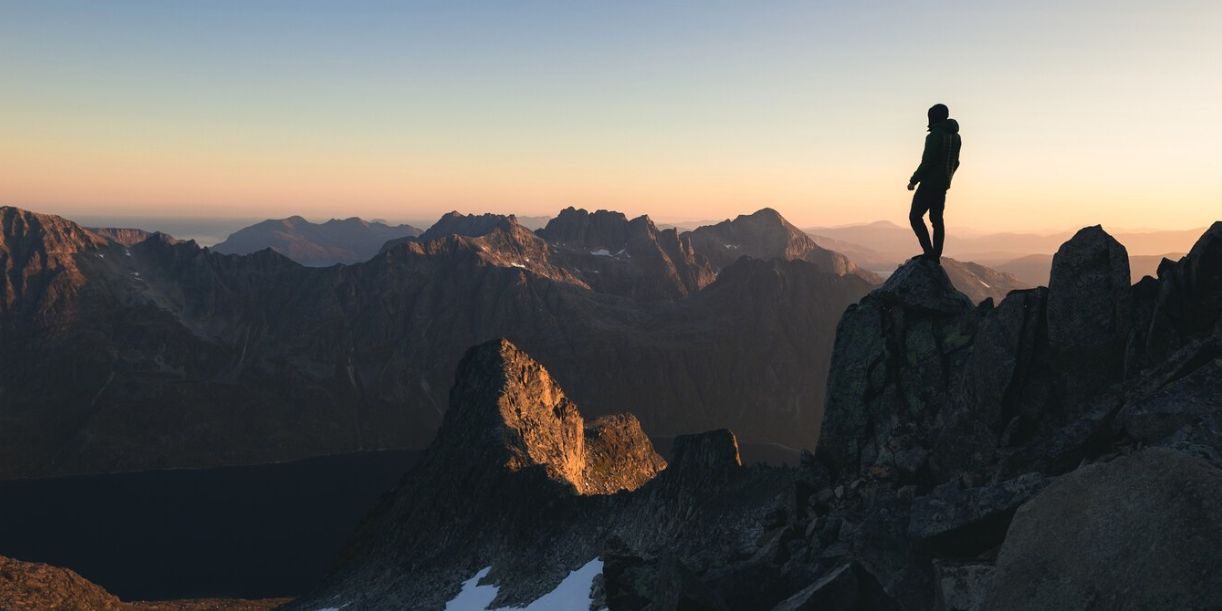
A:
{"points": [[938, 164]]}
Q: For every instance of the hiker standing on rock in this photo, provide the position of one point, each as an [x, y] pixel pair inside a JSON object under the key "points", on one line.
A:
{"points": [[938, 164]]}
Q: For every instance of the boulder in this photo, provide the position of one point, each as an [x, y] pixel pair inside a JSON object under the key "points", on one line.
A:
{"points": [[961, 522], [923, 285], [898, 357], [1140, 532]]}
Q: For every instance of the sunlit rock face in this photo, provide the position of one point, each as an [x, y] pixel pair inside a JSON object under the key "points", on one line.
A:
{"points": [[505, 408], [516, 480]]}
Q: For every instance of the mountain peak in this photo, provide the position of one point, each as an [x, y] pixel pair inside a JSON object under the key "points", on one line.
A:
{"points": [[470, 225]]}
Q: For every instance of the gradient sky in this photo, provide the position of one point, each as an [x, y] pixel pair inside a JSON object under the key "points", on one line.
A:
{"points": [[1073, 112]]}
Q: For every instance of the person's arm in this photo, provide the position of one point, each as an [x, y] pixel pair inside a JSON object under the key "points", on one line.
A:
{"points": [[927, 160]]}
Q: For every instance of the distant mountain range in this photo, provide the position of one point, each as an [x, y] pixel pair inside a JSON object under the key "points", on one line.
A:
{"points": [[124, 354], [348, 240]]}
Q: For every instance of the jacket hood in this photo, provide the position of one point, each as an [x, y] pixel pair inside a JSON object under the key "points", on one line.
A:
{"points": [[949, 126]]}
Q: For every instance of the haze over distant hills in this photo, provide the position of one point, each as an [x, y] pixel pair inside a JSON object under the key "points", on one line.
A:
{"points": [[318, 244], [882, 245]]}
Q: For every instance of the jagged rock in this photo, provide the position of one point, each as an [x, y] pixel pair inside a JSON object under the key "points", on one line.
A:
{"points": [[470, 225], [629, 258], [1186, 303], [959, 522], [1089, 310], [1139, 532], [618, 455], [897, 356], [920, 285], [706, 452], [1008, 376], [1186, 396], [506, 408], [848, 587], [513, 482], [962, 586]]}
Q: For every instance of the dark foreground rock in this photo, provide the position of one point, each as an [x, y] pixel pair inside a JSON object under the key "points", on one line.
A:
{"points": [[1139, 532], [971, 459]]}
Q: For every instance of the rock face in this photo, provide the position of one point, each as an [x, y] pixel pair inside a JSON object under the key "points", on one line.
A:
{"points": [[33, 586], [1139, 532], [30, 585], [630, 258], [507, 406], [511, 482], [1088, 311], [350, 240], [953, 431], [958, 469], [265, 360]]}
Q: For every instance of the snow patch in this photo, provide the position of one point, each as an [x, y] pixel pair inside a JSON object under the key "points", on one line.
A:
{"points": [[601, 252], [518, 265], [733, 246], [572, 594], [986, 284]]}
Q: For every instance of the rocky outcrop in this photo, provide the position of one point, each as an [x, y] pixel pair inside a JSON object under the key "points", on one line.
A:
{"points": [[33, 586], [350, 240], [512, 483], [898, 354], [507, 411], [946, 424], [632, 258], [1139, 532], [1088, 312], [470, 225]]}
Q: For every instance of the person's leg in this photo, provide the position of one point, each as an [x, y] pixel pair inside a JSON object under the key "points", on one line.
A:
{"points": [[915, 214], [936, 207]]}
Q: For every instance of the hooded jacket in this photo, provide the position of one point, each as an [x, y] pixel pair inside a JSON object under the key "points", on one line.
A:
{"points": [[941, 156]]}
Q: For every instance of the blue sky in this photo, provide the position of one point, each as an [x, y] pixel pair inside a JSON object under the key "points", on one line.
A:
{"points": [[1073, 112]]}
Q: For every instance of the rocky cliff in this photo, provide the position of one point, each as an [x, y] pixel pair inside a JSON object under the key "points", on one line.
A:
{"points": [[1060, 449], [627, 257]]}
